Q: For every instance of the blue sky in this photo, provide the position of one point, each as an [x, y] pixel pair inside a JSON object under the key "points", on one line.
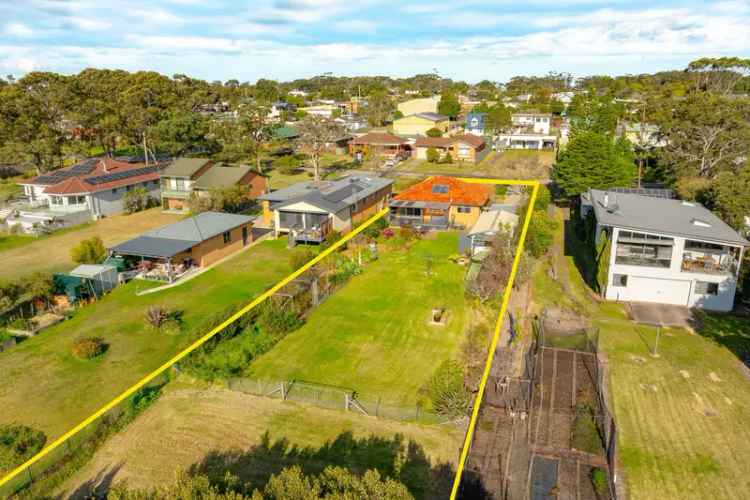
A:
{"points": [[286, 39]]}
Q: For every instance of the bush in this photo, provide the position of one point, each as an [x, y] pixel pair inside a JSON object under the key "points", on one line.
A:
{"points": [[278, 320], [501, 190], [388, 233], [136, 200], [446, 390], [373, 230], [142, 399], [345, 269], [90, 251], [432, 155], [299, 257], [21, 324], [599, 480], [434, 132], [541, 233], [407, 233], [18, 443], [331, 238], [446, 159], [89, 347]]}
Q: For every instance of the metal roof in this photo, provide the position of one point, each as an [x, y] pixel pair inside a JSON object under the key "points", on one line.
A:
{"points": [[184, 167], [435, 117], [172, 239], [222, 176], [490, 221], [331, 196], [661, 215]]}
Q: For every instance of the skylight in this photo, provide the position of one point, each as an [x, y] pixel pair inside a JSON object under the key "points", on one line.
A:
{"points": [[440, 188], [700, 223]]}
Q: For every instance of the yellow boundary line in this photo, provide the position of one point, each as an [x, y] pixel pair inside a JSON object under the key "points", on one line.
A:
{"points": [[254, 303], [151, 376], [498, 326]]}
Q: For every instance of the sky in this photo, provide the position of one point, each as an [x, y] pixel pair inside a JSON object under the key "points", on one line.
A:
{"points": [[287, 39]]}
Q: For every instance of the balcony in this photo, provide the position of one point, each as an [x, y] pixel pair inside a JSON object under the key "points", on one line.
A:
{"points": [[709, 264], [174, 193], [417, 221]]}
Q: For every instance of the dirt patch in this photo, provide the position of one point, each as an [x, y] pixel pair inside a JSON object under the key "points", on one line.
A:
{"points": [[637, 359], [703, 407], [684, 374], [713, 377], [649, 387]]}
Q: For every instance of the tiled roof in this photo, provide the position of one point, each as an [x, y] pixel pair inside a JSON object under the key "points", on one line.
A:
{"points": [[443, 142], [379, 139], [458, 192], [94, 175], [433, 142]]}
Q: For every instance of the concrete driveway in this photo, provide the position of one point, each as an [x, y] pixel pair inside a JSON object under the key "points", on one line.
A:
{"points": [[661, 314]]}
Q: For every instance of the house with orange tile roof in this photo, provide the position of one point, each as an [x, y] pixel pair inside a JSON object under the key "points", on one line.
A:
{"points": [[440, 203], [461, 148], [96, 186]]}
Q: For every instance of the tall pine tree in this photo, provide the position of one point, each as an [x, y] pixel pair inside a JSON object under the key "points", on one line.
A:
{"points": [[593, 160]]}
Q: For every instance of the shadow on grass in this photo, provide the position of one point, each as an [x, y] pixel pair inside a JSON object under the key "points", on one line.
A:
{"points": [[96, 487], [728, 330], [575, 247], [397, 458]]}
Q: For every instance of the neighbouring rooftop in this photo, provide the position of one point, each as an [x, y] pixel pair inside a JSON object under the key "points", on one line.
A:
{"points": [[661, 215]]}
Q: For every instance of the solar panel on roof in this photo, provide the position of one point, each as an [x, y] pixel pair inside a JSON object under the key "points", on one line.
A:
{"points": [[116, 176], [652, 192]]}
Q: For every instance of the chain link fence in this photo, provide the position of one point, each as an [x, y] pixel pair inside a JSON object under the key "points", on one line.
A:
{"points": [[335, 398]]}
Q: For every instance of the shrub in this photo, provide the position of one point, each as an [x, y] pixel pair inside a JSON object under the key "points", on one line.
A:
{"points": [[388, 233], [278, 320], [407, 234], [135, 200], [541, 233], [90, 251], [345, 269], [373, 230], [446, 159], [501, 190], [18, 443], [142, 399], [434, 132], [599, 480], [432, 155], [89, 347], [21, 324], [446, 390], [331, 238], [299, 257]]}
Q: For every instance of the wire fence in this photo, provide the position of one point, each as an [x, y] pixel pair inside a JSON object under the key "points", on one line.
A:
{"points": [[335, 398], [569, 333]]}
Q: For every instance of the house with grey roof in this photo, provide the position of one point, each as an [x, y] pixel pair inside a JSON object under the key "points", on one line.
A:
{"points": [[186, 176], [308, 211], [666, 250], [169, 252]]}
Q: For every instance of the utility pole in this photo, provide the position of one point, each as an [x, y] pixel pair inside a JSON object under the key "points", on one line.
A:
{"points": [[642, 144]]}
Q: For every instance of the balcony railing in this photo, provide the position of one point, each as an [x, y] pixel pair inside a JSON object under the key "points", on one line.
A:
{"points": [[709, 265], [175, 193], [435, 222]]}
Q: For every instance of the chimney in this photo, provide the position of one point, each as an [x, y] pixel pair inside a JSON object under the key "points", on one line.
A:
{"points": [[104, 165], [606, 200]]}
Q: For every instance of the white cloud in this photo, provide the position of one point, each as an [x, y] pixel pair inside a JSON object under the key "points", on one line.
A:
{"points": [[19, 30], [356, 26], [90, 24]]}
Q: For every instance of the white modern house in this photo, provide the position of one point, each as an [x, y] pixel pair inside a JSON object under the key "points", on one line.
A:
{"points": [[666, 251], [528, 131]]}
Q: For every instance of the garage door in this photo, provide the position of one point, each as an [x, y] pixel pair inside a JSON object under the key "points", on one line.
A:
{"points": [[663, 291]]}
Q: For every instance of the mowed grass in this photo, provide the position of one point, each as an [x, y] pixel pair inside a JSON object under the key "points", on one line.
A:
{"points": [[45, 387], [373, 335], [23, 255], [682, 417], [256, 436]]}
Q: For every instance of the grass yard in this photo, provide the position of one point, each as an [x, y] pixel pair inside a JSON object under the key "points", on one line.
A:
{"points": [[45, 387], [185, 426], [682, 417], [517, 164], [373, 335], [23, 255]]}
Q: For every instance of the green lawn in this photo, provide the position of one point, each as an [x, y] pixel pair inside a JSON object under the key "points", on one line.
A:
{"points": [[24, 255], [373, 335], [682, 417], [46, 387]]}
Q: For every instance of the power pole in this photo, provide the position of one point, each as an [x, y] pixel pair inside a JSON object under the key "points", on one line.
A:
{"points": [[642, 144]]}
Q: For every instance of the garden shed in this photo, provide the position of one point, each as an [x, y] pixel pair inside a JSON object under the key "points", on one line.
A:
{"points": [[86, 281]]}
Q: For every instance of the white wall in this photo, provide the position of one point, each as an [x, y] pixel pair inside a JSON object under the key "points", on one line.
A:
{"points": [[668, 285]]}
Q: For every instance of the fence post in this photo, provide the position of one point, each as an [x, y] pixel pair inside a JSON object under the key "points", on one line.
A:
{"points": [[283, 390], [346, 401], [377, 408]]}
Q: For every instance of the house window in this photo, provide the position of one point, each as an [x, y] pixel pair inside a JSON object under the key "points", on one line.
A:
{"points": [[706, 288], [464, 150], [411, 212], [620, 280], [114, 191], [463, 210], [440, 189], [56, 200], [227, 237], [179, 184]]}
